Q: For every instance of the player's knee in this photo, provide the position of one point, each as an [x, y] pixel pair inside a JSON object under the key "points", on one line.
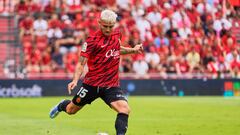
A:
{"points": [[121, 107], [128, 110], [71, 111], [125, 109]]}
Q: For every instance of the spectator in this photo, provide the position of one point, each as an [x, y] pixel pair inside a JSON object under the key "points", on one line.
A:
{"points": [[161, 40], [40, 26], [54, 31], [21, 8], [207, 58], [49, 8], [231, 56], [144, 27], [189, 36], [148, 3], [71, 60], [235, 66], [223, 67], [212, 68], [152, 58], [184, 32], [33, 7], [123, 4], [73, 7], [168, 23], [140, 67], [204, 8], [126, 64], [193, 58], [154, 17], [91, 22], [171, 62], [181, 66], [68, 42], [26, 27], [46, 64], [57, 61]]}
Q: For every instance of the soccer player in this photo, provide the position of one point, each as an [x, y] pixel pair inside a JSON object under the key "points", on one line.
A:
{"points": [[101, 52]]}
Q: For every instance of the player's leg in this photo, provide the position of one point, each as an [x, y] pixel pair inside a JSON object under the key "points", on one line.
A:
{"points": [[123, 110], [85, 95], [69, 107], [116, 99], [121, 106], [65, 105]]}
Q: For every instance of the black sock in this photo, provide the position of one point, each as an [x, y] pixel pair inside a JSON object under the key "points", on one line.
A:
{"points": [[121, 123], [62, 106]]}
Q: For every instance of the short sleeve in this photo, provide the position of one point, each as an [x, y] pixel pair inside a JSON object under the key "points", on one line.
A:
{"points": [[87, 48]]}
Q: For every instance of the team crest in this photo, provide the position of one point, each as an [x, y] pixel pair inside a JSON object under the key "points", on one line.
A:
{"points": [[78, 100], [84, 47]]}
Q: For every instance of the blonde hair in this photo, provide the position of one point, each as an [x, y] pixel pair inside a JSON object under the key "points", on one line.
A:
{"points": [[108, 16]]}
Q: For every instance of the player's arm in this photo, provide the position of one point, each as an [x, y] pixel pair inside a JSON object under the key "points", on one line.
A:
{"points": [[78, 72], [127, 50]]}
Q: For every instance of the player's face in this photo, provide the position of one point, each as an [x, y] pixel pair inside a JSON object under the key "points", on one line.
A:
{"points": [[106, 27]]}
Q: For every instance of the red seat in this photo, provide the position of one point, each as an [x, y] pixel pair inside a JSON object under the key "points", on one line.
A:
{"points": [[71, 62], [41, 46], [27, 38], [41, 42], [27, 47], [41, 39], [3, 53]]}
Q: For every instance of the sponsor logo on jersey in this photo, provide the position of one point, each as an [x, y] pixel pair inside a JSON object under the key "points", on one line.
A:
{"points": [[112, 53], [84, 47], [78, 100], [121, 96]]}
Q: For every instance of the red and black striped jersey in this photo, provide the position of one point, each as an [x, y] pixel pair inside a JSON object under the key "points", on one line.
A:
{"points": [[103, 53]]}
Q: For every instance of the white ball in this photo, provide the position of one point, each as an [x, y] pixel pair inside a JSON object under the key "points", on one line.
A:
{"points": [[102, 133]]}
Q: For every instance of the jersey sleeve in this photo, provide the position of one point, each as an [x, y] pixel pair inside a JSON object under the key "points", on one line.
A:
{"points": [[87, 48]]}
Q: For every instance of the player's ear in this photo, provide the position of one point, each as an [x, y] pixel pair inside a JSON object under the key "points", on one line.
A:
{"points": [[99, 22]]}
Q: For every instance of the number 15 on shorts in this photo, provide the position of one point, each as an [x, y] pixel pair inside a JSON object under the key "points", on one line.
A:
{"points": [[82, 92]]}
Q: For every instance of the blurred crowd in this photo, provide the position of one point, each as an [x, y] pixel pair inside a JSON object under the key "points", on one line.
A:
{"points": [[180, 37]]}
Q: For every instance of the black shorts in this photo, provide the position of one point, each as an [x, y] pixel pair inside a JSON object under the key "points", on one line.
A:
{"points": [[86, 94]]}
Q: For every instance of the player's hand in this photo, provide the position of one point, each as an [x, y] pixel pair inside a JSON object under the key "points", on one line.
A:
{"points": [[138, 48], [71, 86]]}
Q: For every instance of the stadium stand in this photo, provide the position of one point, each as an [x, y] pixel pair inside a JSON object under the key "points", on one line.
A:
{"points": [[182, 38]]}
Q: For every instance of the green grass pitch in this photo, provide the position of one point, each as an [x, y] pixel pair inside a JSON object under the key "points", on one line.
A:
{"points": [[149, 116]]}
